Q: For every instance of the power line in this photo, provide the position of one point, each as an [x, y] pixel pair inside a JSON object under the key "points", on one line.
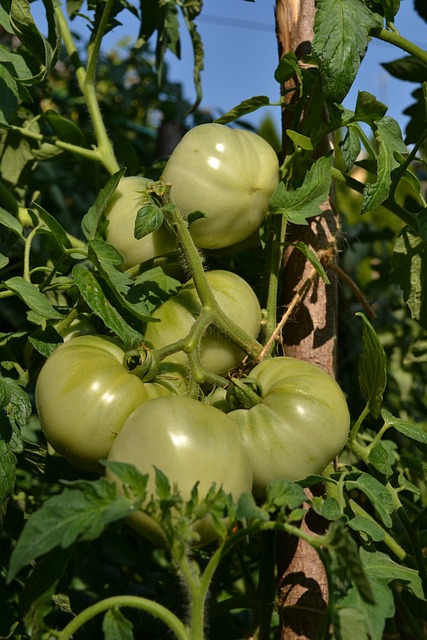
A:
{"points": [[234, 22], [260, 26]]}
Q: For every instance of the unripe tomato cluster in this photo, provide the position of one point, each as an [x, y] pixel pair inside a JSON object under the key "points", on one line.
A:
{"points": [[93, 406]]}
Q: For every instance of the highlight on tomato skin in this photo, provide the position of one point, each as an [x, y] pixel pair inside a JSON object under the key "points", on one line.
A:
{"points": [[299, 427], [190, 442], [230, 174], [84, 394]]}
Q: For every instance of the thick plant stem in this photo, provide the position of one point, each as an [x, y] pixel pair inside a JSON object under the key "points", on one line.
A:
{"points": [[197, 593], [226, 326], [393, 37], [86, 79], [157, 610]]}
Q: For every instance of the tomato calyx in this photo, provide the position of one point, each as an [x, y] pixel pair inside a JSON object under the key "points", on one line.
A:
{"points": [[142, 362], [244, 393]]}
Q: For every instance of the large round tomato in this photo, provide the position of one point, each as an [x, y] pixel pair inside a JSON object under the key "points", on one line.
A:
{"points": [[177, 315], [84, 394], [189, 442], [125, 203], [300, 426], [230, 174]]}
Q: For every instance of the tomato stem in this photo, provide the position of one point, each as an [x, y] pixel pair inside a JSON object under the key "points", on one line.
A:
{"points": [[155, 609], [224, 324], [86, 79]]}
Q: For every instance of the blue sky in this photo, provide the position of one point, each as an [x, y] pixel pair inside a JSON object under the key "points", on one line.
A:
{"points": [[241, 56]]}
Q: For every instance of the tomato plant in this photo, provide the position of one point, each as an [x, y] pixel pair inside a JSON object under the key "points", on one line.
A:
{"points": [[177, 317], [191, 443], [301, 424], [84, 394], [229, 174], [129, 197], [188, 391]]}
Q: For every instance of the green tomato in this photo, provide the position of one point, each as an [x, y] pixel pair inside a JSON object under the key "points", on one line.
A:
{"points": [[84, 394], [121, 212], [189, 442], [300, 426], [177, 315], [230, 174]]}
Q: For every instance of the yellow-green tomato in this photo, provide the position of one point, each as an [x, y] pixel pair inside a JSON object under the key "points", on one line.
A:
{"points": [[300, 426], [84, 394], [121, 212], [177, 315], [190, 442], [228, 173]]}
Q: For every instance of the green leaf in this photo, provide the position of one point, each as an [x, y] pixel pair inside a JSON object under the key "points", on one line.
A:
{"points": [[389, 140], [409, 269], [94, 296], [382, 568], [346, 561], [372, 367], [33, 298], [155, 286], [163, 487], [368, 527], [7, 474], [94, 217], [64, 128], [130, 476], [299, 140], [407, 68], [351, 147], [245, 107], [106, 258], [163, 18], [10, 94], [15, 410], [305, 201], [368, 108], [10, 222], [408, 429], [379, 458], [148, 219], [350, 623], [53, 225], [328, 507], [248, 510], [75, 514], [116, 627], [288, 68], [284, 493], [190, 12], [45, 50], [390, 8], [341, 30], [379, 496], [45, 341]]}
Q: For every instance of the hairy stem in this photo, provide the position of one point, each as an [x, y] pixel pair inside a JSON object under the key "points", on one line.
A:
{"points": [[87, 83], [157, 610], [393, 37]]}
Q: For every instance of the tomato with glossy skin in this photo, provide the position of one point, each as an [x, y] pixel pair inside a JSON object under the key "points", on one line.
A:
{"points": [[228, 173], [300, 426], [189, 442], [177, 315], [121, 212], [84, 394]]}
